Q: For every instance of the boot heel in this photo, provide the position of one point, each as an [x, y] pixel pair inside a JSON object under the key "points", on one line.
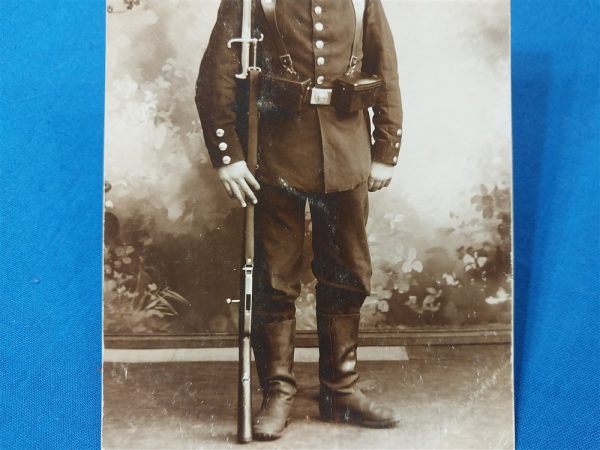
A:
{"points": [[331, 416], [328, 413]]}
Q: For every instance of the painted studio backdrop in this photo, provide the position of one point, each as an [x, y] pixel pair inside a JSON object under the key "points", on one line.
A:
{"points": [[440, 235]]}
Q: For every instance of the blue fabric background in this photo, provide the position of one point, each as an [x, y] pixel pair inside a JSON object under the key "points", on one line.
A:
{"points": [[51, 125]]}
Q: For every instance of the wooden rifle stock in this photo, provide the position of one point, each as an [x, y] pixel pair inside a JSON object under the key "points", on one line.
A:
{"points": [[251, 73], [245, 310]]}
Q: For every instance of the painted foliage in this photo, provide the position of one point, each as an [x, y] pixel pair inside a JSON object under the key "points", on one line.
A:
{"points": [[440, 235]]}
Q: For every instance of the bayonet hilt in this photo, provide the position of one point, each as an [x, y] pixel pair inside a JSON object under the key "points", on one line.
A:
{"points": [[245, 59]]}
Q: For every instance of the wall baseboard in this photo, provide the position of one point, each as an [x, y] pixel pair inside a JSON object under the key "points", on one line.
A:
{"points": [[170, 355], [488, 335]]}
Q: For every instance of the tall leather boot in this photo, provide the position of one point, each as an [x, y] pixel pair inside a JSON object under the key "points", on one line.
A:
{"points": [[340, 398], [273, 345]]}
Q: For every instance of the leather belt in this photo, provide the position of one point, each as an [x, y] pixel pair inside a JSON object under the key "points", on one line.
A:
{"points": [[320, 96]]}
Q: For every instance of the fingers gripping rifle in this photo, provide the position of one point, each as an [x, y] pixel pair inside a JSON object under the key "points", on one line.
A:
{"points": [[251, 73]]}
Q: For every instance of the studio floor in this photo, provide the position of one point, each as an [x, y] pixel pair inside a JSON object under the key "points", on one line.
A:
{"points": [[449, 397]]}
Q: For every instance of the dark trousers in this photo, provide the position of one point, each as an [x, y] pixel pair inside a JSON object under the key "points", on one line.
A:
{"points": [[341, 261]]}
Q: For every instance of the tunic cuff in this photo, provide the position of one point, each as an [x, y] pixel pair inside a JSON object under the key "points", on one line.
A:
{"points": [[223, 146], [385, 152]]}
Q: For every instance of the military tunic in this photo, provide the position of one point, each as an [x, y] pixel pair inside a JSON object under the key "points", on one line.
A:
{"points": [[319, 149], [320, 157]]}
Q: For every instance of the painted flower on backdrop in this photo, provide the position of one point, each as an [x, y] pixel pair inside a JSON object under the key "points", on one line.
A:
{"points": [[383, 306], [500, 297], [115, 7], [450, 279], [430, 302], [484, 202], [411, 263], [396, 221], [474, 261]]}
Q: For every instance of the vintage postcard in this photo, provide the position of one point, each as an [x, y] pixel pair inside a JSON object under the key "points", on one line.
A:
{"points": [[308, 225]]}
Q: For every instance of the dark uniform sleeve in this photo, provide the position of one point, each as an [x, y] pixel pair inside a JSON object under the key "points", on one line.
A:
{"points": [[216, 88], [379, 57]]}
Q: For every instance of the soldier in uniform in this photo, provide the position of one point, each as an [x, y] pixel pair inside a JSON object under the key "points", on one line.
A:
{"points": [[320, 156]]}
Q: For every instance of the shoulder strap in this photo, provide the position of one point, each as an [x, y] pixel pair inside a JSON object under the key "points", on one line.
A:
{"points": [[285, 58], [359, 11]]}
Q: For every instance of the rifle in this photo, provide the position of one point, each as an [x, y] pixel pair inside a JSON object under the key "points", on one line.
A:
{"points": [[252, 74]]}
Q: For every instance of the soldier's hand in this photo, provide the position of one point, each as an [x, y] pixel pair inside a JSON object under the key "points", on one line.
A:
{"points": [[239, 182], [381, 176]]}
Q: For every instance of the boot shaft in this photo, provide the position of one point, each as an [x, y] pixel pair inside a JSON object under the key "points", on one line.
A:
{"points": [[273, 345], [340, 399], [338, 341]]}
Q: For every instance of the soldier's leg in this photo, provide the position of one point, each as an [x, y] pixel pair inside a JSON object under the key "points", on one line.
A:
{"points": [[341, 263], [279, 241], [342, 266]]}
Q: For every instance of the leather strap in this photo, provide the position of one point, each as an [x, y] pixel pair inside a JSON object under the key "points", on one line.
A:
{"points": [[285, 58], [359, 11]]}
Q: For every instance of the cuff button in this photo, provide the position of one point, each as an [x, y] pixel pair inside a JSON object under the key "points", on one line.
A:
{"points": [[222, 146], [397, 145], [226, 159], [399, 132], [395, 160], [220, 132]]}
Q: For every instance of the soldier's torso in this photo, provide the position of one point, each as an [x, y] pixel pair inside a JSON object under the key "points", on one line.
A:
{"points": [[319, 149], [317, 33]]}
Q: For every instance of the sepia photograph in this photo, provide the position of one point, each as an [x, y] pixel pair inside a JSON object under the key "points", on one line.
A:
{"points": [[308, 225]]}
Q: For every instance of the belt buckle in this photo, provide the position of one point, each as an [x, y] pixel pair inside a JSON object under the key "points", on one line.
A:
{"points": [[320, 96]]}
